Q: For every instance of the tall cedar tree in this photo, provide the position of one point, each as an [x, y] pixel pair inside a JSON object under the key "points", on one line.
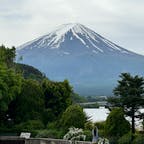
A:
{"points": [[129, 92]]}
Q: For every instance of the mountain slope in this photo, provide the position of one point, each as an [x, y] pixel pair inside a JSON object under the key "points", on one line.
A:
{"points": [[75, 52], [29, 72]]}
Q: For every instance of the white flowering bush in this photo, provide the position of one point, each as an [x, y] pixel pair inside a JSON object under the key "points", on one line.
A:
{"points": [[103, 141], [74, 134]]}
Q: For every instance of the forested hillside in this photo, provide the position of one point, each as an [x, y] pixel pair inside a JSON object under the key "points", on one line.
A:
{"points": [[28, 100], [29, 72]]}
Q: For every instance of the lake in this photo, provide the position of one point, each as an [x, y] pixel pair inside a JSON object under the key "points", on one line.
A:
{"points": [[97, 114], [100, 114]]}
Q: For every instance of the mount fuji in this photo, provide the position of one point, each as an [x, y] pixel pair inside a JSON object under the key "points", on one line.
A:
{"points": [[89, 61]]}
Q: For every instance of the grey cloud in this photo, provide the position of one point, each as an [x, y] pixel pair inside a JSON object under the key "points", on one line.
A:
{"points": [[120, 21]]}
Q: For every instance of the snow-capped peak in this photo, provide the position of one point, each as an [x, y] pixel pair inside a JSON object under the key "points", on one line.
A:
{"points": [[84, 35], [60, 32], [76, 29], [63, 29]]}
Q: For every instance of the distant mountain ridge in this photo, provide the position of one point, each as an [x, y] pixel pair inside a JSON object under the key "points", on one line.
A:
{"points": [[89, 61]]}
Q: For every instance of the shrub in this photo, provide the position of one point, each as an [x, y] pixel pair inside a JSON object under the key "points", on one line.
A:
{"points": [[29, 125], [52, 125], [116, 124], [101, 132], [88, 134], [125, 139], [52, 133], [73, 117], [47, 116], [139, 139], [88, 125], [100, 125], [113, 140]]}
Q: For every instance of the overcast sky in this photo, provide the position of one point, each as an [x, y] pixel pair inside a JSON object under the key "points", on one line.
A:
{"points": [[121, 21]]}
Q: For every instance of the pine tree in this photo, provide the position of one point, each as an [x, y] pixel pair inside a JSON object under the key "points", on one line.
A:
{"points": [[129, 95]]}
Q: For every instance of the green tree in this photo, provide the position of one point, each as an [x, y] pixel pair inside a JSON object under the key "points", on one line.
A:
{"points": [[129, 95], [29, 104], [73, 116], [57, 96], [7, 55], [10, 87], [116, 124]]}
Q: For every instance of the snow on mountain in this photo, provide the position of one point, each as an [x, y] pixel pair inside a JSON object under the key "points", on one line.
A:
{"points": [[84, 35], [89, 61]]}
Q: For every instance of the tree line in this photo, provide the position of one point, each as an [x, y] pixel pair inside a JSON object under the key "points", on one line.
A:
{"points": [[25, 99]]}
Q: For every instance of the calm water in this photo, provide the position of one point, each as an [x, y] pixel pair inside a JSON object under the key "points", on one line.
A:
{"points": [[100, 114], [97, 114]]}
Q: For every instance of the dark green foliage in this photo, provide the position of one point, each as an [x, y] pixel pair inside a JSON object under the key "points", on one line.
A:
{"points": [[54, 130], [129, 94], [48, 116], [100, 125], [51, 133], [88, 134], [10, 87], [73, 116], [32, 126], [57, 96], [101, 128], [52, 125], [29, 72], [116, 124], [7, 55], [10, 82], [88, 125], [29, 104], [29, 125], [125, 139], [130, 90], [139, 139]]}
